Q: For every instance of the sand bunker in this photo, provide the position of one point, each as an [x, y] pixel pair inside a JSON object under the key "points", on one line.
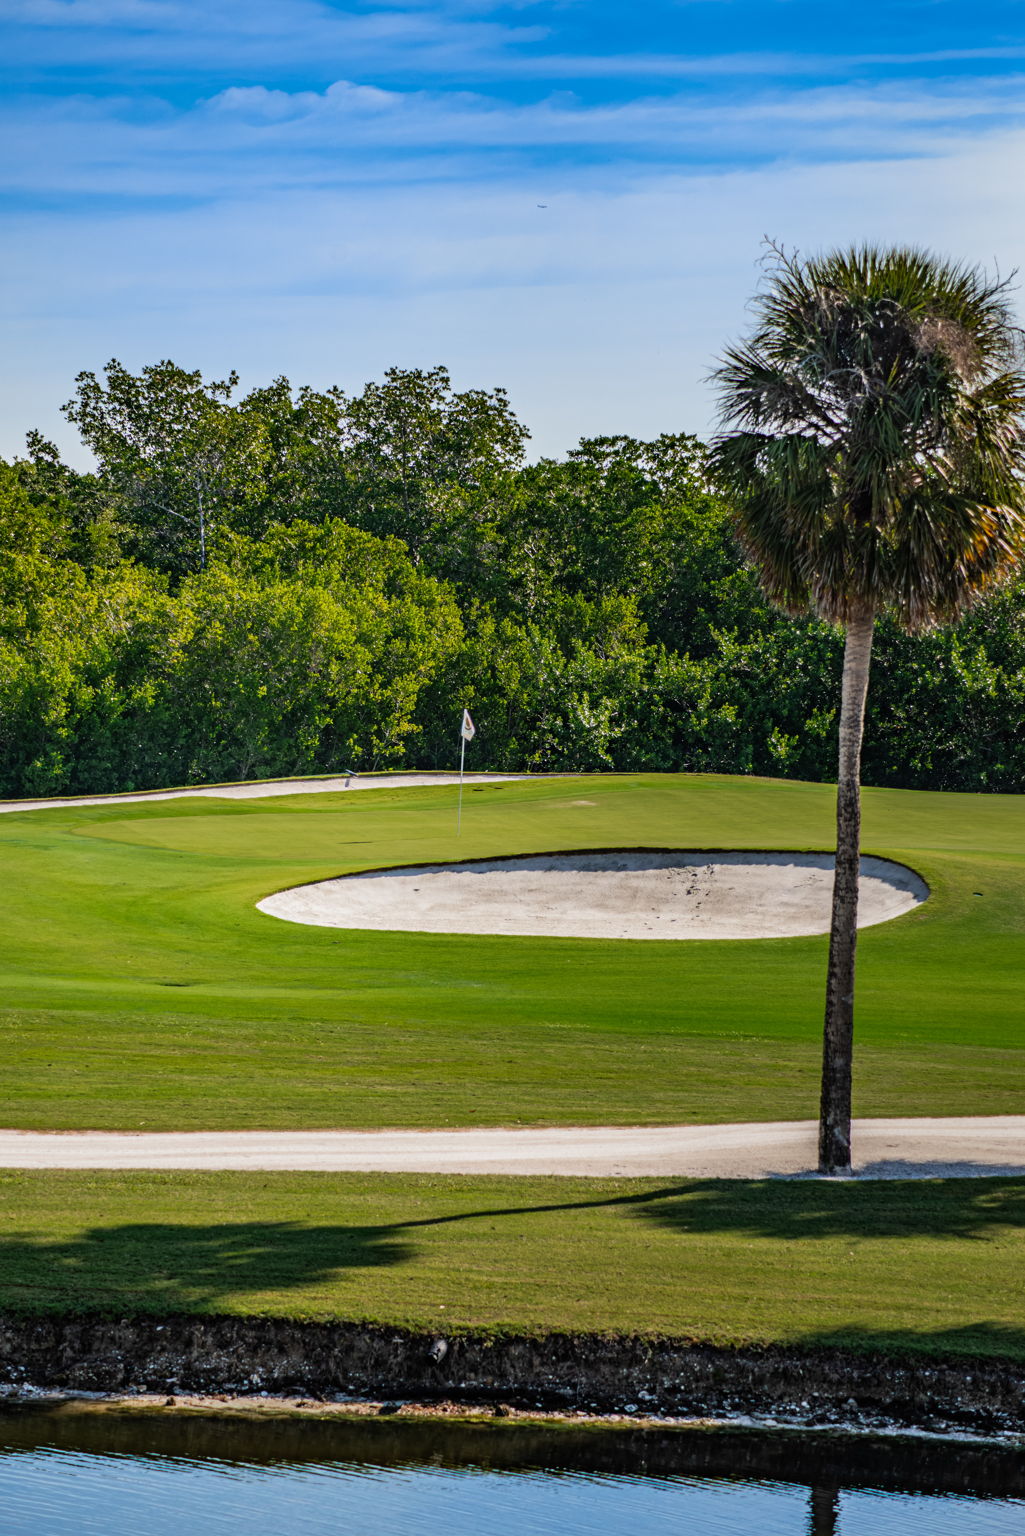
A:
{"points": [[605, 896]]}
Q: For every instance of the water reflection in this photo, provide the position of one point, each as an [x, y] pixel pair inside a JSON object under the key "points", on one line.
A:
{"points": [[823, 1511], [93, 1474]]}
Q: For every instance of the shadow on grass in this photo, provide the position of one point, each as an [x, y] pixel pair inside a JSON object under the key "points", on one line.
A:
{"points": [[785, 1210], [188, 1266], [172, 1267], [981, 1338]]}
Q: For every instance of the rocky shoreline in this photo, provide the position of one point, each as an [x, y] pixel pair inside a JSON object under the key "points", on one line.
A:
{"points": [[382, 1367]]}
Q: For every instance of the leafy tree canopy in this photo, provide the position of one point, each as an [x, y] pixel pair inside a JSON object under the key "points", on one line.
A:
{"points": [[592, 610]]}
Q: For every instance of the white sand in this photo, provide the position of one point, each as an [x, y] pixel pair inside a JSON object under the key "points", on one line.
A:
{"points": [[904, 1149], [259, 788], [605, 895]]}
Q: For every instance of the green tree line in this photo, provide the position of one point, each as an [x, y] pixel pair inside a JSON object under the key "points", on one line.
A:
{"points": [[298, 581]]}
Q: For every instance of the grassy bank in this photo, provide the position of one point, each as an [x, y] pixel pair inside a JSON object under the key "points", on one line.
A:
{"points": [[934, 1266], [142, 987]]}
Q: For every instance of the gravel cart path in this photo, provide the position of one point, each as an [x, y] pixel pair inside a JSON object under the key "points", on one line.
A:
{"points": [[895, 1149]]}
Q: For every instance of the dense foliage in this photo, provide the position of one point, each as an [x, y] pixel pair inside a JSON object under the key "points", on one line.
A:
{"points": [[296, 581]]}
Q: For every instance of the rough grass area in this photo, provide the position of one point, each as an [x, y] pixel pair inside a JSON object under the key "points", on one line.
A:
{"points": [[143, 989], [934, 1266]]}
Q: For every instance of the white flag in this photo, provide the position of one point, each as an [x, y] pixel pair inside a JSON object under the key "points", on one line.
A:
{"points": [[467, 730]]}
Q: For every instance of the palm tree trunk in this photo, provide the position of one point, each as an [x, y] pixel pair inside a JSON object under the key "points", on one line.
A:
{"points": [[838, 1036]]}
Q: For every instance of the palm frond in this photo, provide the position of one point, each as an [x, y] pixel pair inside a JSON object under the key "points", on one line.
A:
{"points": [[877, 450]]}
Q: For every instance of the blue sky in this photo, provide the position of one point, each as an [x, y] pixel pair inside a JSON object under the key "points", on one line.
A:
{"points": [[564, 198]]}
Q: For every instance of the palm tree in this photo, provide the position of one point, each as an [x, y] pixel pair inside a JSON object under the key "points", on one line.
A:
{"points": [[873, 447]]}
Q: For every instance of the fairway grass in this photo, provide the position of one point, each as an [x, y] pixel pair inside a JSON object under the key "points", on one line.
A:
{"points": [[935, 1267], [142, 988]]}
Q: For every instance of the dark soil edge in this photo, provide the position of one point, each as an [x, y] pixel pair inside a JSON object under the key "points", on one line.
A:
{"points": [[557, 1371]]}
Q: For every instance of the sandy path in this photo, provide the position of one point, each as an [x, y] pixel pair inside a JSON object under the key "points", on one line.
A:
{"points": [[599, 895], [257, 789], [905, 1149]]}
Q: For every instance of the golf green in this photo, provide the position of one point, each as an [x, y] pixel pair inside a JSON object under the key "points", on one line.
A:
{"points": [[142, 987]]}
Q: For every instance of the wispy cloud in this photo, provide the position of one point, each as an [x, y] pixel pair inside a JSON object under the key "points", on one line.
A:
{"points": [[183, 177], [259, 138], [157, 37], [480, 38], [602, 311], [741, 64]]}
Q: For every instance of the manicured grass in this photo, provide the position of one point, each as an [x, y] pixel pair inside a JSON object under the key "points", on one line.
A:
{"points": [[932, 1266], [142, 988]]}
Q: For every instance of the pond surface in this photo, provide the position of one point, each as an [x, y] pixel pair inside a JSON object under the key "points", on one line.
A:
{"points": [[125, 1475]]}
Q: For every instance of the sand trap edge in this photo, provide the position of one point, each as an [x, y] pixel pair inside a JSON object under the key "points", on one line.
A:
{"points": [[719, 912]]}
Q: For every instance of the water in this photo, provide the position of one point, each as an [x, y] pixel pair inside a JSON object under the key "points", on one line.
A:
{"points": [[124, 1475]]}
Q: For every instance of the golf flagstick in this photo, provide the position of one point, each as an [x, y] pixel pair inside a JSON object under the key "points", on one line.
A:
{"points": [[467, 731]]}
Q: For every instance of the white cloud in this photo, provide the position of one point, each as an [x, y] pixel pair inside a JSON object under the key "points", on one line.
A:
{"points": [[270, 140], [156, 37], [764, 62], [331, 232], [601, 312]]}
